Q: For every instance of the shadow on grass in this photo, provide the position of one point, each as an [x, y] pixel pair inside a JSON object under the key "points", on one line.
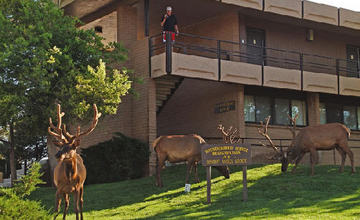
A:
{"points": [[113, 195], [278, 195]]}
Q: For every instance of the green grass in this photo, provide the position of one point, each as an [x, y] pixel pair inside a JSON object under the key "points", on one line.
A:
{"points": [[272, 195]]}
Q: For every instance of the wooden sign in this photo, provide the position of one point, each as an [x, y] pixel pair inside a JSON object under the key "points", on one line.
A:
{"points": [[224, 107], [226, 155]]}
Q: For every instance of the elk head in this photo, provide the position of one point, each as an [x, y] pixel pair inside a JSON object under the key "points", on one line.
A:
{"points": [[280, 155], [66, 142], [290, 154]]}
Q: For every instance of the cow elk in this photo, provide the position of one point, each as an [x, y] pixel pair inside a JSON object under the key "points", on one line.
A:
{"points": [[70, 172], [312, 139], [179, 148]]}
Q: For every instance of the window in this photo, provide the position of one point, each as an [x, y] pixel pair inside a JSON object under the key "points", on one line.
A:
{"points": [[358, 117], [98, 29], [249, 108], [281, 111], [338, 112], [322, 113], [257, 108], [350, 117], [298, 107], [263, 108]]}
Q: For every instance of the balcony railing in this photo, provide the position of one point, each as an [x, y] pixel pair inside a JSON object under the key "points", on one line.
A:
{"points": [[240, 52]]}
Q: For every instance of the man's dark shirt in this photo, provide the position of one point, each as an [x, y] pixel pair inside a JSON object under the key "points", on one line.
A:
{"points": [[170, 23]]}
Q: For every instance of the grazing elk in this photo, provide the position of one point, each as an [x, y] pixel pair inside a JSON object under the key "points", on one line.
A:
{"points": [[311, 139], [70, 172], [179, 148]]}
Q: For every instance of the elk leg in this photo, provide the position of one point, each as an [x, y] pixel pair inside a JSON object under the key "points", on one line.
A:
{"points": [[57, 203], [160, 164], [188, 170], [76, 203], [343, 158], [66, 201], [81, 201], [196, 173], [313, 159], [351, 156], [297, 161]]}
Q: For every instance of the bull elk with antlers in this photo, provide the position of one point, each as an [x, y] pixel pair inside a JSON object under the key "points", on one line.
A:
{"points": [[311, 139], [70, 172]]}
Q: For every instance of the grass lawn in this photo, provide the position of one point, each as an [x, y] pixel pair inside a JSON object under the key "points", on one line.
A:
{"points": [[272, 195]]}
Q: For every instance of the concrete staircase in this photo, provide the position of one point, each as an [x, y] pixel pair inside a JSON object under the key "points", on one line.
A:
{"points": [[165, 88]]}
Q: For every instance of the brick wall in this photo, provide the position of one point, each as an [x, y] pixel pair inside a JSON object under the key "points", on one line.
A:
{"points": [[191, 109], [109, 27]]}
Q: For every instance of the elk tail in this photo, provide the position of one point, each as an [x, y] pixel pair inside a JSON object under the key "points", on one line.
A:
{"points": [[202, 141], [156, 141], [347, 130]]}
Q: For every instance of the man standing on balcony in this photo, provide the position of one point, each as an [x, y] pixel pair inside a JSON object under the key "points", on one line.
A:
{"points": [[169, 24]]}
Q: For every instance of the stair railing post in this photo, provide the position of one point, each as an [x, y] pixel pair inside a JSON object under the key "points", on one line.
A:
{"points": [[338, 74], [218, 54], [168, 52], [302, 70], [150, 54]]}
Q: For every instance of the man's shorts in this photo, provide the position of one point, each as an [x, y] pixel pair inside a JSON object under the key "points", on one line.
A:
{"points": [[172, 35]]}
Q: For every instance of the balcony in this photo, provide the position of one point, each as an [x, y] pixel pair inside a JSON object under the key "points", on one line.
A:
{"points": [[211, 59]]}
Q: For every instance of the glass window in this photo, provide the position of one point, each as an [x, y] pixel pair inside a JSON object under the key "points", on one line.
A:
{"points": [[322, 113], [358, 117], [249, 108], [281, 111], [299, 107], [350, 116], [263, 108]]}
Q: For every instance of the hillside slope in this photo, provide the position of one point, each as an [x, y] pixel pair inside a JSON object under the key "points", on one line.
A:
{"points": [[272, 195]]}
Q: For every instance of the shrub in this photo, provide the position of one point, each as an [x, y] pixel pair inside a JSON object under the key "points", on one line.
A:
{"points": [[118, 159], [14, 205]]}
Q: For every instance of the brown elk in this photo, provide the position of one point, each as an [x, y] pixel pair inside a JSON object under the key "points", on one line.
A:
{"points": [[179, 148], [311, 139], [70, 172]]}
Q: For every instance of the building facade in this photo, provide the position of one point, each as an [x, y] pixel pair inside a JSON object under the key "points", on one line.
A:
{"points": [[235, 62]]}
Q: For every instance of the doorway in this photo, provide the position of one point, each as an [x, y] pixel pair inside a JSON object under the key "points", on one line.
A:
{"points": [[255, 49]]}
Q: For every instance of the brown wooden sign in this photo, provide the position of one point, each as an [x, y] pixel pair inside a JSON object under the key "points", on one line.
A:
{"points": [[226, 155]]}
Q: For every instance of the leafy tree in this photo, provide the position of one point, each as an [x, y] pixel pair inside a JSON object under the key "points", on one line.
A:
{"points": [[44, 60], [14, 203]]}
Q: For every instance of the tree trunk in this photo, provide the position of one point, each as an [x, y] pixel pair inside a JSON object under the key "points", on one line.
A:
{"points": [[12, 155]]}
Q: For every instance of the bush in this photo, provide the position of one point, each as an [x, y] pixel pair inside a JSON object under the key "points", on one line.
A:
{"points": [[14, 205], [118, 159]]}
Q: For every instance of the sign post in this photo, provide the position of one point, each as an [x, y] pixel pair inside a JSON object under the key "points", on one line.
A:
{"points": [[226, 155]]}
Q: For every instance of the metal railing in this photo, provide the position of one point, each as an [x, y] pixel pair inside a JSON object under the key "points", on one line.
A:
{"points": [[240, 52], [279, 142]]}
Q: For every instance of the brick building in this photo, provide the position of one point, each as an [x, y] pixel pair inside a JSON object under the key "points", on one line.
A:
{"points": [[235, 62]]}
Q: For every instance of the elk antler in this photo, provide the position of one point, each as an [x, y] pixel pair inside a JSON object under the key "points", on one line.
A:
{"points": [[93, 124], [293, 122], [264, 132], [57, 133], [229, 136]]}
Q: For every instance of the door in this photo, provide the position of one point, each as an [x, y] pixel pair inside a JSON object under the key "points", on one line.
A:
{"points": [[352, 55], [255, 45]]}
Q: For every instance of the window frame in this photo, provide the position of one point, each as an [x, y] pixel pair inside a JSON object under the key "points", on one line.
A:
{"points": [[342, 105], [272, 109]]}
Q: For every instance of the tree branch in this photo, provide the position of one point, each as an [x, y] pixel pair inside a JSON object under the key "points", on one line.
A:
{"points": [[4, 141]]}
